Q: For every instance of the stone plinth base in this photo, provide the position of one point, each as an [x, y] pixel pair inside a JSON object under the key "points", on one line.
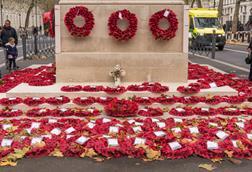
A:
{"points": [[139, 67], [24, 90]]}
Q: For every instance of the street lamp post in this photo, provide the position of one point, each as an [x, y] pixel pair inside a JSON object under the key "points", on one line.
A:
{"points": [[35, 31], [1, 12], [20, 24]]}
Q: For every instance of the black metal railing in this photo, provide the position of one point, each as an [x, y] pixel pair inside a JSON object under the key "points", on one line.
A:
{"points": [[241, 36], [203, 45], [34, 44]]}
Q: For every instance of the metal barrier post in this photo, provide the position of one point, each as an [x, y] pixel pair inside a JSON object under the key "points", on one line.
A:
{"points": [[213, 44], [243, 33], [249, 38], [35, 32], [24, 36]]}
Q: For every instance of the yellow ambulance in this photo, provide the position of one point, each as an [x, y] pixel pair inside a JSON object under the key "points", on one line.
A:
{"points": [[203, 23]]}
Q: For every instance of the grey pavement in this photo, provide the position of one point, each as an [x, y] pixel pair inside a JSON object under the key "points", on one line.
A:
{"points": [[26, 63], [43, 42], [51, 164]]}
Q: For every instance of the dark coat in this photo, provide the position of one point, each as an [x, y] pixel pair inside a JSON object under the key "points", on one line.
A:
{"points": [[11, 50], [250, 45], [7, 33]]}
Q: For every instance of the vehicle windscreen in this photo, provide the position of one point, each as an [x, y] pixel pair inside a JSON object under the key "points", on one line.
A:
{"points": [[201, 22]]}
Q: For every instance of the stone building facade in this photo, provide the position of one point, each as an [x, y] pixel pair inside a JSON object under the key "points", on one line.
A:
{"points": [[229, 8], [15, 11]]}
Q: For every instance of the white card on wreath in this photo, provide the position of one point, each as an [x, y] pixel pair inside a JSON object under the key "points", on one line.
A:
{"points": [[56, 131], [63, 109], [180, 109], [176, 130], [36, 140], [23, 137], [154, 120], [90, 125], [69, 130], [69, 136], [51, 121], [113, 142], [42, 110], [28, 130], [240, 124], [120, 15], [166, 13], [35, 125], [7, 126], [113, 129], [222, 135], [105, 120], [161, 124], [241, 119], [139, 141], [212, 145], [213, 85], [177, 120], [103, 98], [234, 142], [81, 140], [138, 123], [159, 133], [6, 142], [249, 136], [59, 98], [175, 145], [205, 109], [137, 129], [131, 121], [90, 110], [194, 130], [35, 98]]}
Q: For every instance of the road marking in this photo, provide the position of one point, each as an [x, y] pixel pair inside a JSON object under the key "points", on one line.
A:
{"points": [[237, 51], [221, 62], [19, 58]]}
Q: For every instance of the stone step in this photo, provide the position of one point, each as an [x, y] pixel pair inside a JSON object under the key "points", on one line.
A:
{"points": [[24, 90], [24, 107]]}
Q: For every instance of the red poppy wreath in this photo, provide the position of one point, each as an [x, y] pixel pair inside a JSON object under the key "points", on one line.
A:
{"points": [[116, 32], [164, 34], [78, 31]]}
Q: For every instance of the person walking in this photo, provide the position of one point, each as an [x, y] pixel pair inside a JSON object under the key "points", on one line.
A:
{"points": [[7, 33], [250, 53], [11, 53]]}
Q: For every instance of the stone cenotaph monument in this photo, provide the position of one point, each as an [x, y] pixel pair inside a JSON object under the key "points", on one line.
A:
{"points": [[143, 57]]}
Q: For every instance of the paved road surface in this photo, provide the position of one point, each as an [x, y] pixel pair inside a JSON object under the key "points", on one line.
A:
{"points": [[230, 60]]}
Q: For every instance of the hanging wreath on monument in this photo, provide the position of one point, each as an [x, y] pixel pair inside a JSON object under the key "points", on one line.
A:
{"points": [[160, 33], [79, 31], [118, 33]]}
